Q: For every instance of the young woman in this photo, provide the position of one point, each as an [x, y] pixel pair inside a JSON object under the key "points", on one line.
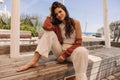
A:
{"points": [[63, 36]]}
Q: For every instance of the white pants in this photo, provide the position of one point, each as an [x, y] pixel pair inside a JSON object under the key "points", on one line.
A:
{"points": [[79, 56]]}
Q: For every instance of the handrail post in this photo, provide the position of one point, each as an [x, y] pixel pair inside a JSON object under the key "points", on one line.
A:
{"points": [[106, 26], [15, 29]]}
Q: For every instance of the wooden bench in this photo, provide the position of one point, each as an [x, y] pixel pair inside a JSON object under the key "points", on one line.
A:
{"points": [[24, 36]]}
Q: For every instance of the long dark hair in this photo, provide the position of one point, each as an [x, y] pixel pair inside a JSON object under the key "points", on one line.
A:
{"points": [[70, 25]]}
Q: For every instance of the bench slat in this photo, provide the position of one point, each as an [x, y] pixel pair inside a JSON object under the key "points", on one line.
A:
{"points": [[23, 34]]}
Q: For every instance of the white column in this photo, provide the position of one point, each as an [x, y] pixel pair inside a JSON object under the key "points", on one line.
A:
{"points": [[63, 2], [106, 26], [15, 28]]}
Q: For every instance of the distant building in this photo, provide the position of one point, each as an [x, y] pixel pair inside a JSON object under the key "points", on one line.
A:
{"points": [[101, 31]]}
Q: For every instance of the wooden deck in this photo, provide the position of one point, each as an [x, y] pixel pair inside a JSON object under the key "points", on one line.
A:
{"points": [[8, 68], [51, 70]]}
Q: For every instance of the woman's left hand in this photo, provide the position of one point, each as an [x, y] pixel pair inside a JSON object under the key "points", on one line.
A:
{"points": [[61, 59]]}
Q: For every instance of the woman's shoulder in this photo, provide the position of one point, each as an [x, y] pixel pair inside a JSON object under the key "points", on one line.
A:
{"points": [[76, 21]]}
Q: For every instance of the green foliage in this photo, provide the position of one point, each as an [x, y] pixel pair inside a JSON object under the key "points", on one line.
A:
{"points": [[29, 28], [3, 24], [28, 25], [113, 24], [25, 24]]}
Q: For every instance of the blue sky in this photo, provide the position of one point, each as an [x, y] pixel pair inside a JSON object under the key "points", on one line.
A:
{"points": [[88, 12]]}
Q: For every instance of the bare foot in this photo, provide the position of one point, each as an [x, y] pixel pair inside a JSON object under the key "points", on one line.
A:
{"points": [[27, 66]]}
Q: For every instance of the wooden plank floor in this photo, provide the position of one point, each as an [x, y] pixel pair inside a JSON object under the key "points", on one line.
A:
{"points": [[48, 67], [8, 68]]}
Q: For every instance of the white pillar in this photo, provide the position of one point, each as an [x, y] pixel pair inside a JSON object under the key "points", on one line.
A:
{"points": [[63, 2], [106, 26], [15, 28]]}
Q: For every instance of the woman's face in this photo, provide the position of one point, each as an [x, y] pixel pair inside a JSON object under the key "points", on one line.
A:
{"points": [[60, 14]]}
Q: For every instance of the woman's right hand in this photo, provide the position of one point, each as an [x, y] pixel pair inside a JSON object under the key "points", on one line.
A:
{"points": [[61, 59]]}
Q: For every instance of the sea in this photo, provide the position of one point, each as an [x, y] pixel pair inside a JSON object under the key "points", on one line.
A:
{"points": [[88, 33]]}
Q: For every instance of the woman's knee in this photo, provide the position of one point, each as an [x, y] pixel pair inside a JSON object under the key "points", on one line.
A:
{"points": [[49, 34], [81, 51]]}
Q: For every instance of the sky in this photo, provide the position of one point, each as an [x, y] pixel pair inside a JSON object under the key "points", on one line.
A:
{"points": [[88, 12]]}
